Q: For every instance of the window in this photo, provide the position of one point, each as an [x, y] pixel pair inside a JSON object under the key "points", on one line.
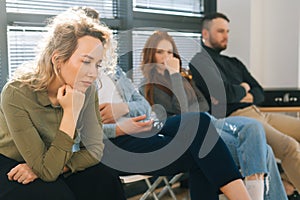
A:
{"points": [[175, 7], [188, 45], [1, 75], [23, 36], [107, 8], [22, 26], [22, 43]]}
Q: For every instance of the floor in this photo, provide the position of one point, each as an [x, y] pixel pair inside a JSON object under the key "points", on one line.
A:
{"points": [[181, 194]]}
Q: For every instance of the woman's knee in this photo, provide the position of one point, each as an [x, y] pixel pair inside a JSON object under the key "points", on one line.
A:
{"points": [[39, 190], [97, 181], [253, 131]]}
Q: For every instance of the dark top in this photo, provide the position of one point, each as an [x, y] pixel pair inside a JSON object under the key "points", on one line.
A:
{"points": [[212, 70], [175, 94]]}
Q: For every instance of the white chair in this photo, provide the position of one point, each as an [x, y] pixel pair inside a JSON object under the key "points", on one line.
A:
{"points": [[152, 187]]}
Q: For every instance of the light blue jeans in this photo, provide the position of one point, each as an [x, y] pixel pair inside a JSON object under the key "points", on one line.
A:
{"points": [[245, 139]]}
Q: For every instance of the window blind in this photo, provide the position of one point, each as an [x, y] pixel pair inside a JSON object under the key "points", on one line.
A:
{"points": [[1, 67], [22, 43], [175, 7], [188, 45], [107, 8]]}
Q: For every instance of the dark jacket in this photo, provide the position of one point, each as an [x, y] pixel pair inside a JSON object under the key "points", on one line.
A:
{"points": [[210, 69]]}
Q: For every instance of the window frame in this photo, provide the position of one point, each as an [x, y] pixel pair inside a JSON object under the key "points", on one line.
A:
{"points": [[127, 19]]}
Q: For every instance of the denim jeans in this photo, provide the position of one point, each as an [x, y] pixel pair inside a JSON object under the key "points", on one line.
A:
{"points": [[245, 139], [282, 133]]}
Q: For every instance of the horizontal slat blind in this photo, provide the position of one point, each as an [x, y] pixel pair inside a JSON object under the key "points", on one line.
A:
{"points": [[1, 68], [188, 45], [178, 7], [107, 8], [22, 43]]}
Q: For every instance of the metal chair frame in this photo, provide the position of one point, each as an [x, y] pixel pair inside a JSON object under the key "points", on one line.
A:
{"points": [[153, 186]]}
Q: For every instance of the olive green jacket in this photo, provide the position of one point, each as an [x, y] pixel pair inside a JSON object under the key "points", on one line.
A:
{"points": [[29, 132]]}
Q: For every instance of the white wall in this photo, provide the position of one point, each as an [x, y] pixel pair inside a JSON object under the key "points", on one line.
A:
{"points": [[265, 35]]}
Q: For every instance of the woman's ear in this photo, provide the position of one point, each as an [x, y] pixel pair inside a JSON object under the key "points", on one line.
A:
{"points": [[55, 63], [54, 59]]}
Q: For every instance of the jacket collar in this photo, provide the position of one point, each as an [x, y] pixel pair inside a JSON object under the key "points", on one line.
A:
{"points": [[43, 99], [210, 50]]}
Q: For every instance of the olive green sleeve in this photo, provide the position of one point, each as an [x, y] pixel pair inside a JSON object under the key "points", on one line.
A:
{"points": [[46, 162]]}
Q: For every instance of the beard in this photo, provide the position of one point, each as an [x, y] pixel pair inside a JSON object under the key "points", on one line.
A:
{"points": [[219, 46]]}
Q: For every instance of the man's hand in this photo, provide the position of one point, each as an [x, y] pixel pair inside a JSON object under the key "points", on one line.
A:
{"points": [[111, 112], [248, 98], [22, 173], [246, 86], [133, 125]]}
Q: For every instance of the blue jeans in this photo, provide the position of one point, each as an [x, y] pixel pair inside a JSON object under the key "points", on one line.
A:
{"points": [[245, 139]]}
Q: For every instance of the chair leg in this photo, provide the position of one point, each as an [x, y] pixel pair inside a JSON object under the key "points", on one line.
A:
{"points": [[151, 188], [168, 186]]}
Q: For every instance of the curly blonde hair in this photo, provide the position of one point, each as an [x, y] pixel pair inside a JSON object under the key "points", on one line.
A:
{"points": [[62, 36]]}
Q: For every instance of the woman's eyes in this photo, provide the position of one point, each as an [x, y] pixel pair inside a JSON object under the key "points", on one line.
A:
{"points": [[162, 51], [87, 62]]}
